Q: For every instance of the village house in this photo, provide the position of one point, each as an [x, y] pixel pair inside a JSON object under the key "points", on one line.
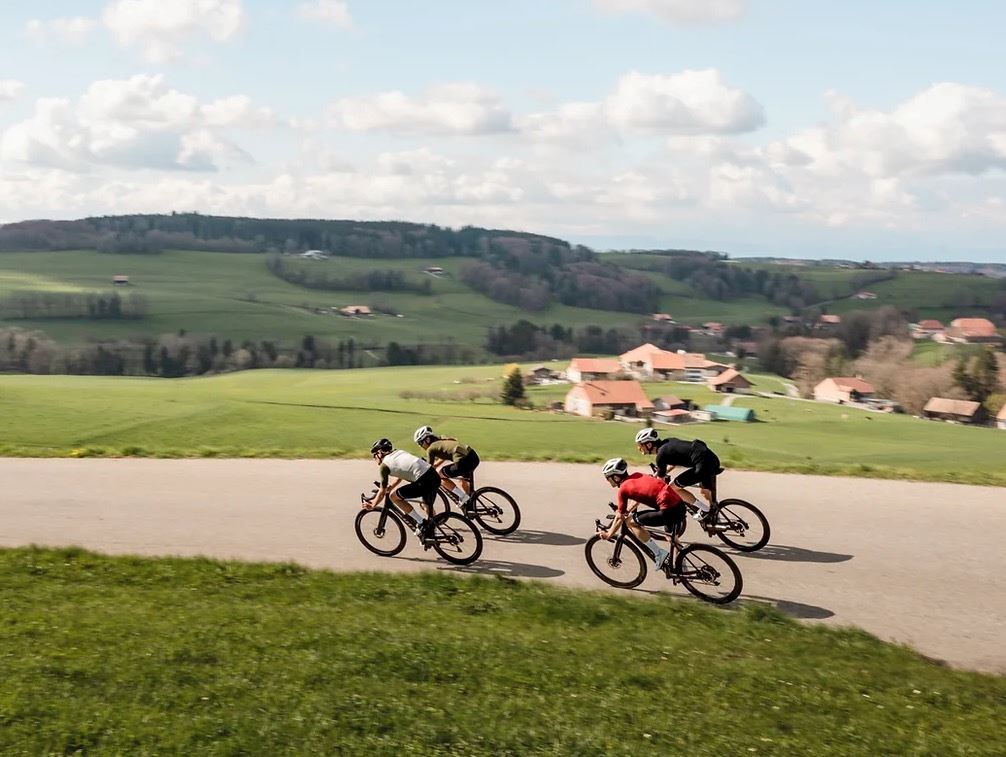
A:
{"points": [[591, 369], [1001, 418], [713, 328], [864, 296], [662, 317], [973, 331], [434, 270], [731, 381], [670, 402], [540, 374], [926, 329], [676, 415], [958, 411], [355, 310], [120, 280], [843, 389], [619, 397], [828, 322], [315, 255], [650, 362]]}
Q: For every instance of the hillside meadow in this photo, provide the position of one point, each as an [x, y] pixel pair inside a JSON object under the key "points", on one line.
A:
{"points": [[305, 413]]}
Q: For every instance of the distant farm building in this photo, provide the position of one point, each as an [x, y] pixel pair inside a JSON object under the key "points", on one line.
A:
{"points": [[650, 362], [619, 397], [120, 280], [592, 369], [973, 331], [354, 311], [713, 328], [315, 255], [730, 413], [540, 374], [670, 402], [662, 318], [926, 329], [731, 381], [959, 411], [864, 296], [434, 270], [677, 415], [829, 322], [1001, 418], [843, 389]]}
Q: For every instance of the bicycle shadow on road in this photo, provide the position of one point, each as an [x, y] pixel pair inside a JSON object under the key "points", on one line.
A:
{"points": [[505, 569], [786, 606], [548, 538], [793, 554]]}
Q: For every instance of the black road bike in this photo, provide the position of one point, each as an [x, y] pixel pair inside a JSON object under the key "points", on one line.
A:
{"points": [[733, 521], [489, 506], [705, 571], [383, 531]]}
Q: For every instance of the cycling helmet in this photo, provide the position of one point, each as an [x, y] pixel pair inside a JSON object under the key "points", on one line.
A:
{"points": [[422, 434], [647, 435], [616, 466], [381, 445]]}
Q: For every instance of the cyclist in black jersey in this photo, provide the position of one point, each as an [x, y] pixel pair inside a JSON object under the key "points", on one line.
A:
{"points": [[701, 464]]}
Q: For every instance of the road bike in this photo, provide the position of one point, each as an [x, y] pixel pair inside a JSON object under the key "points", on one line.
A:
{"points": [[382, 530], [489, 506], [705, 571], [733, 521]]}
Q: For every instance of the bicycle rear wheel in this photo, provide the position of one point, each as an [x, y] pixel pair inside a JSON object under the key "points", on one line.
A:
{"points": [[381, 532], [709, 573], [617, 562], [443, 503], [494, 510], [455, 538], [747, 529]]}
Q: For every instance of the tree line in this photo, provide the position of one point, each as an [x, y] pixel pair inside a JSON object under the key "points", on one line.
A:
{"points": [[38, 305], [183, 354], [525, 340], [315, 275]]}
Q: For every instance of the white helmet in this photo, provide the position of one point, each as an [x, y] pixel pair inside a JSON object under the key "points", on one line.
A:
{"points": [[647, 435], [616, 466], [423, 433]]}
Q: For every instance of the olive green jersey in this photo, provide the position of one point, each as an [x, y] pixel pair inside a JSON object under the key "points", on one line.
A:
{"points": [[447, 449]]}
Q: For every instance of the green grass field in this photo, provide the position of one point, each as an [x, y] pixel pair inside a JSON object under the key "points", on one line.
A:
{"points": [[303, 413], [234, 296], [141, 656]]}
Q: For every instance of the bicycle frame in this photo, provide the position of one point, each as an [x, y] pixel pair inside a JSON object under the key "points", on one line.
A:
{"points": [[626, 533]]}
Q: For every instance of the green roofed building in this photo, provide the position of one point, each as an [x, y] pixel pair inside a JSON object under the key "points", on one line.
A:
{"points": [[728, 413]]}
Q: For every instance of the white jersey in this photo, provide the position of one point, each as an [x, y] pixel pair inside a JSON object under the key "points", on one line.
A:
{"points": [[403, 465]]}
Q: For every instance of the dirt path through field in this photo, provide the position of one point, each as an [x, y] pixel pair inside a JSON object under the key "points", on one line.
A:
{"points": [[922, 564]]}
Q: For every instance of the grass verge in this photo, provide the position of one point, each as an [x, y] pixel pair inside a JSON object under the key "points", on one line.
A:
{"points": [[129, 655]]}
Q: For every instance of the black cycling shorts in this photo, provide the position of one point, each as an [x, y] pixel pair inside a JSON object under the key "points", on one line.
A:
{"points": [[464, 467], [669, 517], [706, 468], [426, 486]]}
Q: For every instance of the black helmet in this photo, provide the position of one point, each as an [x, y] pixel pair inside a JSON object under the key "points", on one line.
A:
{"points": [[381, 445]]}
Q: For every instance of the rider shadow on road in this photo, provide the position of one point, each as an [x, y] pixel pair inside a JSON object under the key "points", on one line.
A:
{"points": [[505, 569], [548, 538], [788, 607], [794, 554]]}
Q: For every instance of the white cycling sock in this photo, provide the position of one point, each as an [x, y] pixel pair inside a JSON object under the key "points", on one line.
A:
{"points": [[702, 504], [459, 492], [417, 516], [655, 549]]}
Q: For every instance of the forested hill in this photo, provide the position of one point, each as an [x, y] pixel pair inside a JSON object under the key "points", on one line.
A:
{"points": [[193, 231]]}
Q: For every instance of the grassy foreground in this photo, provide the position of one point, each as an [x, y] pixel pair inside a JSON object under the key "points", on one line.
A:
{"points": [[339, 413], [126, 655]]}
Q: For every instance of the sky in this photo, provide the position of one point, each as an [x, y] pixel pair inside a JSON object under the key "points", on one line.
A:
{"points": [[797, 128]]}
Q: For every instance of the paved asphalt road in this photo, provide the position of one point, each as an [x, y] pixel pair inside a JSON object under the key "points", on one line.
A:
{"points": [[918, 563]]}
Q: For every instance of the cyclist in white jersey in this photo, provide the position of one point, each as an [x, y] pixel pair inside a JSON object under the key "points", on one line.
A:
{"points": [[422, 480]]}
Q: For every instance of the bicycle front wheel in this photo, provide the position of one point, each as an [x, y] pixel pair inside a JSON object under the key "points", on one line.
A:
{"points": [[494, 510], [381, 532], [744, 526], [617, 562], [456, 539], [709, 573]]}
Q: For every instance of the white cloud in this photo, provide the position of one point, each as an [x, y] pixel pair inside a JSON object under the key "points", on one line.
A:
{"points": [[444, 109], [67, 29], [161, 28], [679, 11], [138, 122], [10, 89], [328, 11]]}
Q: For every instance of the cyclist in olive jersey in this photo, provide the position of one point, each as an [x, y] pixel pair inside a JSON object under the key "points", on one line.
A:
{"points": [[422, 481], [451, 458]]}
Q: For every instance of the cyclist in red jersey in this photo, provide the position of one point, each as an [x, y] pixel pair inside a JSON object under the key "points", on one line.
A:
{"points": [[640, 489]]}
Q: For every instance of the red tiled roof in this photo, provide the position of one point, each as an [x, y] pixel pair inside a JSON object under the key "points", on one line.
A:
{"points": [[667, 361], [616, 393], [853, 385], [595, 365], [951, 407], [974, 327], [930, 325], [642, 352], [727, 376]]}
